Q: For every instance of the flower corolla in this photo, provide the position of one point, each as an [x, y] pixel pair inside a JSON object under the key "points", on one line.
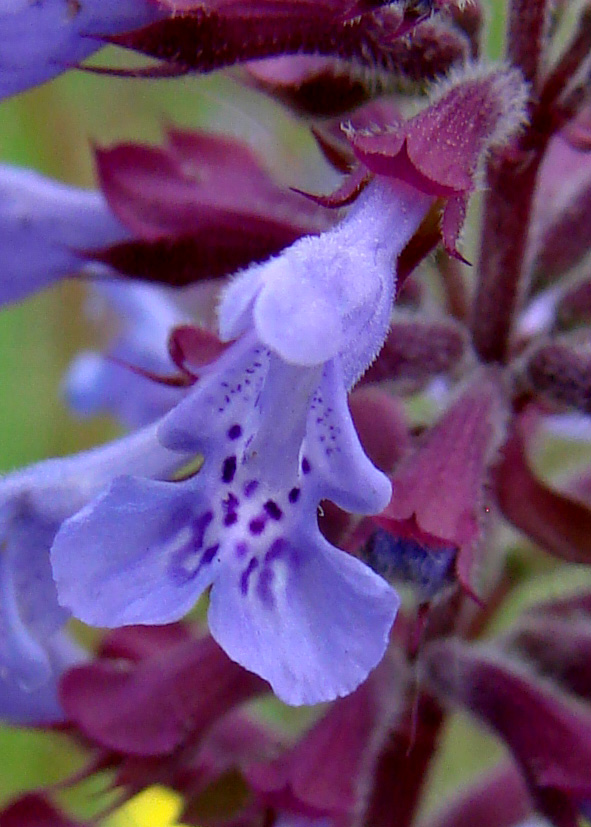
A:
{"points": [[270, 418]]}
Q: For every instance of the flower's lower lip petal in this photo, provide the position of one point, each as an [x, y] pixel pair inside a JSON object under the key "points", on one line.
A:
{"points": [[313, 622], [132, 556]]}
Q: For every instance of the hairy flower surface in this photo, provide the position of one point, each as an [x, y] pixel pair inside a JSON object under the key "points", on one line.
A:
{"points": [[271, 420]]}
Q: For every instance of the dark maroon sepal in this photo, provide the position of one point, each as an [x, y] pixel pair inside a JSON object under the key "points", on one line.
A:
{"points": [[547, 732], [311, 85], [441, 149], [192, 348], [350, 189], [416, 349], [559, 523], [151, 707], [381, 424], [560, 646], [327, 771], [34, 810], [402, 765], [438, 491], [500, 799], [170, 381], [559, 370], [203, 37], [201, 207], [574, 307], [138, 643]]}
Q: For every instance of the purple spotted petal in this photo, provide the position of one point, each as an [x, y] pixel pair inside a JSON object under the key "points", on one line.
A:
{"points": [[153, 564], [338, 467], [270, 418], [41, 40], [42, 225], [309, 618], [225, 397]]}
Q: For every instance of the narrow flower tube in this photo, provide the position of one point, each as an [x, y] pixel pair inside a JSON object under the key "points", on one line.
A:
{"points": [[270, 417], [44, 228], [41, 40]]}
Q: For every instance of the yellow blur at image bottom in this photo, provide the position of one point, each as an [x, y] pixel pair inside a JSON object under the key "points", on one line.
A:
{"points": [[154, 807]]}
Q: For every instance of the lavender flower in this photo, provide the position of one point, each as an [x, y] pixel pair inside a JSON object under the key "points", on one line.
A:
{"points": [[98, 382], [22, 705], [271, 419], [33, 504], [40, 40], [44, 228]]}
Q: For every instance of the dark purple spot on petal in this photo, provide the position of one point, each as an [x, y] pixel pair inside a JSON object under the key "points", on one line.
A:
{"points": [[235, 432], [228, 469], [294, 495], [230, 518], [230, 503], [250, 488], [264, 585], [278, 547], [209, 554], [306, 467], [200, 527], [245, 576], [273, 510], [257, 525], [241, 549]]}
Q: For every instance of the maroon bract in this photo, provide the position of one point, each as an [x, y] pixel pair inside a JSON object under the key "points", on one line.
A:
{"points": [[438, 491], [440, 150], [149, 708], [416, 349], [34, 810], [201, 207], [560, 371], [548, 733], [500, 799], [310, 84], [559, 523], [381, 423], [562, 211], [191, 348], [203, 36], [326, 773]]}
